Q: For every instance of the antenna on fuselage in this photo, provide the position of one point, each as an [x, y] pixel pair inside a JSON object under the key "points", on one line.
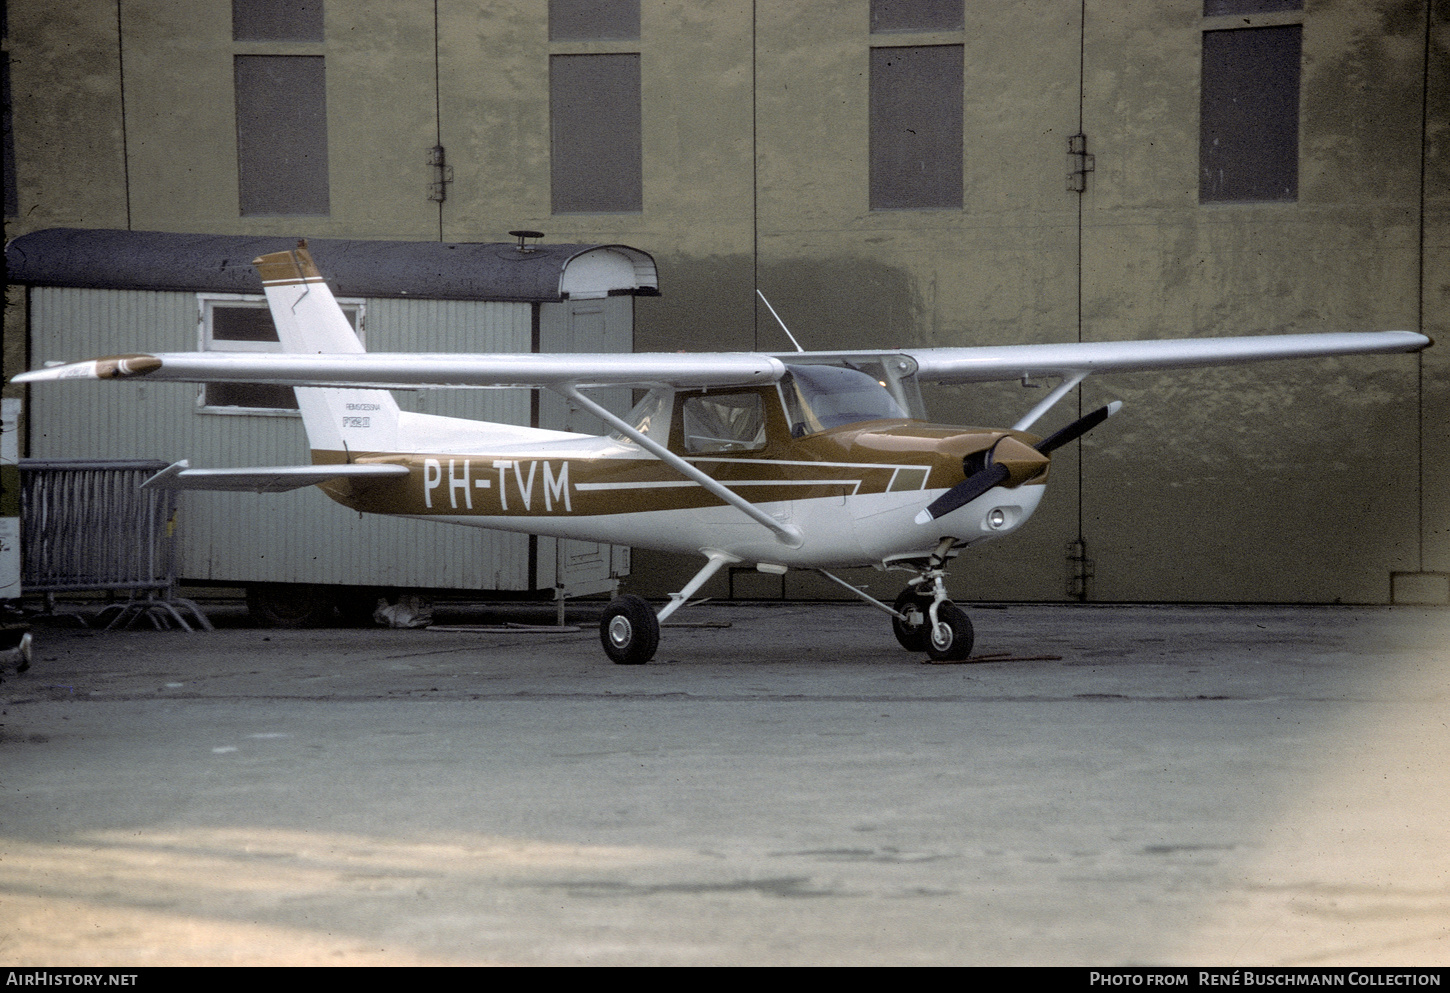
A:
{"points": [[779, 321]]}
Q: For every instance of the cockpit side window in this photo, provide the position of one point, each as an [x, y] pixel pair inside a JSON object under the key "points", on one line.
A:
{"points": [[820, 397], [724, 422], [651, 416]]}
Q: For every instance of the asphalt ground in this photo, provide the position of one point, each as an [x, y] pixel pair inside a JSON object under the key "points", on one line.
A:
{"points": [[783, 785]]}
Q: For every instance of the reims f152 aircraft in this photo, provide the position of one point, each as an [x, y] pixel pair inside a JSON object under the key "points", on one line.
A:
{"points": [[807, 460]]}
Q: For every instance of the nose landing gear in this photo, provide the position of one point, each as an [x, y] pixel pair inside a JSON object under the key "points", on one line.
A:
{"points": [[947, 637], [925, 620]]}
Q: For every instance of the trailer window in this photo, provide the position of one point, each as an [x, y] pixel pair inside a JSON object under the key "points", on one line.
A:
{"points": [[243, 323]]}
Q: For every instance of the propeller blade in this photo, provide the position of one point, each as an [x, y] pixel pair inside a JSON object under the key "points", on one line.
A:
{"points": [[1077, 428], [964, 492], [997, 473]]}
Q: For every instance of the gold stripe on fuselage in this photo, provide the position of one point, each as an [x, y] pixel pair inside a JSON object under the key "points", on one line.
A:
{"points": [[909, 456]]}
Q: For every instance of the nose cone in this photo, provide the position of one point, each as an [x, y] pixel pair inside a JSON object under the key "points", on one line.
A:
{"points": [[1022, 462], [1007, 464]]}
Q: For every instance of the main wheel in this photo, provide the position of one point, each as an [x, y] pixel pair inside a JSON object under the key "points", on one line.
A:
{"points": [[914, 632], [629, 630], [951, 639]]}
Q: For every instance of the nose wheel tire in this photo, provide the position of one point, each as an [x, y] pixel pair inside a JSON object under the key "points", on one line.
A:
{"points": [[629, 631], [914, 633], [951, 639]]}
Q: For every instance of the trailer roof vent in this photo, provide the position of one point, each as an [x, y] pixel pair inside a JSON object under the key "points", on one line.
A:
{"points": [[523, 237]]}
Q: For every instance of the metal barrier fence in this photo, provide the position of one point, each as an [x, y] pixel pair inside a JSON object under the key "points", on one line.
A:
{"points": [[88, 525]]}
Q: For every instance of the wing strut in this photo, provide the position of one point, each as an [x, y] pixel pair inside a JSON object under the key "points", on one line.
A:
{"points": [[1069, 380], [787, 534]]}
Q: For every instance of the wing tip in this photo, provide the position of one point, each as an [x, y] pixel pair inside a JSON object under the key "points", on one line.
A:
{"points": [[109, 367]]}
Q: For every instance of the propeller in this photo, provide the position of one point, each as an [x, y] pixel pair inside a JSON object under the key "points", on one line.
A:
{"points": [[997, 470], [965, 492], [1078, 428]]}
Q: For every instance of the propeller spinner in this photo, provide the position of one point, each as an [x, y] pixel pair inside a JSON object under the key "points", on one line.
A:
{"points": [[1010, 462]]}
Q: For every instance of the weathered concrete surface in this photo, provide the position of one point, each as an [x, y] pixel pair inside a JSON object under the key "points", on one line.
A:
{"points": [[1185, 785]]}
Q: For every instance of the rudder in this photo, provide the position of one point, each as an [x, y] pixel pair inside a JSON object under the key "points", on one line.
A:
{"points": [[309, 321]]}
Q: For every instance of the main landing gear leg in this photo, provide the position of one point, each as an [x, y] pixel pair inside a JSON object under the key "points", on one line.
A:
{"points": [[928, 620], [630, 630]]}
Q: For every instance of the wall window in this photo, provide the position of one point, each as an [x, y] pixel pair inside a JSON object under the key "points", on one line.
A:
{"points": [[888, 16], [916, 127], [1249, 115], [1222, 8], [243, 323], [282, 134], [596, 133], [277, 20], [281, 105], [595, 118], [593, 20]]}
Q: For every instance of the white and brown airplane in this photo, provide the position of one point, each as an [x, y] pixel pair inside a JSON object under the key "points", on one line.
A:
{"points": [[812, 460]]}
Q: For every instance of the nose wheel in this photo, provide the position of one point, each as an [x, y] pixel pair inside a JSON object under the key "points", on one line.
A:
{"points": [[924, 620], [950, 638]]}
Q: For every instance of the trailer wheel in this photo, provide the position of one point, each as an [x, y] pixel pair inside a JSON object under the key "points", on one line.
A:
{"points": [[290, 605], [356, 607]]}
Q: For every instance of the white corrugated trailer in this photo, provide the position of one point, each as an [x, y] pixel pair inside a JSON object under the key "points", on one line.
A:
{"points": [[97, 292]]}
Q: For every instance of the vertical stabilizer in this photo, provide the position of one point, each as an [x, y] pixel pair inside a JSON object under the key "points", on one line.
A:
{"points": [[309, 321]]}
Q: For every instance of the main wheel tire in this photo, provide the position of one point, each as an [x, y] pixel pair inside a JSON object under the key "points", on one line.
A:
{"points": [[290, 605], [951, 639], [914, 635], [629, 630]]}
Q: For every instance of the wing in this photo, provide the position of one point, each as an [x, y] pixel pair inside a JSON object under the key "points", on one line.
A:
{"points": [[987, 363], [408, 370], [981, 363]]}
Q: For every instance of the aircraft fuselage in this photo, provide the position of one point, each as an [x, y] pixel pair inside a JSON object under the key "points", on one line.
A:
{"points": [[854, 491]]}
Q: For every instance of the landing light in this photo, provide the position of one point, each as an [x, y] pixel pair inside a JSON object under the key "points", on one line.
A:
{"points": [[996, 518]]}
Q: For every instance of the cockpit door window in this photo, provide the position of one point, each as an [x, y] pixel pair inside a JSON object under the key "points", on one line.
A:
{"points": [[724, 422]]}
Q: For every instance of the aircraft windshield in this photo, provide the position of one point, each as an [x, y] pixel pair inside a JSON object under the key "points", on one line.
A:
{"points": [[818, 397]]}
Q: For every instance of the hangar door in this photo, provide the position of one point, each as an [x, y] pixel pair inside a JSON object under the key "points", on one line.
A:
{"points": [[1229, 167], [1236, 189]]}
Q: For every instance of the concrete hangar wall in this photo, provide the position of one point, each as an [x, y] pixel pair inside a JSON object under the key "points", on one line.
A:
{"points": [[888, 173]]}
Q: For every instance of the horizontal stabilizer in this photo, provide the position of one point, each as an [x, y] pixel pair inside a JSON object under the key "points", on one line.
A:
{"points": [[264, 479]]}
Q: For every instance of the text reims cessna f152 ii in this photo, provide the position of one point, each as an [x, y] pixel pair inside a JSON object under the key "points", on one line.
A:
{"points": [[813, 460]]}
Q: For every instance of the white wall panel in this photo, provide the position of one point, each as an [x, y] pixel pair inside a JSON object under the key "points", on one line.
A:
{"points": [[291, 537]]}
